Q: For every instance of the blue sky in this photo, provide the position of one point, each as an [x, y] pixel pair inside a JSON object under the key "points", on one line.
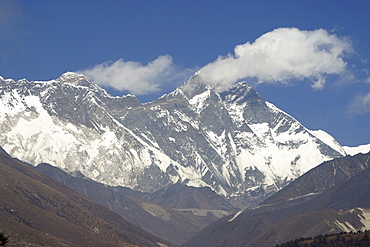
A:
{"points": [[167, 41]]}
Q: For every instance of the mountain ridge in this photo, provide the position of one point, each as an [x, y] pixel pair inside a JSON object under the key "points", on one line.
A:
{"points": [[37, 210], [165, 215], [322, 201], [233, 142]]}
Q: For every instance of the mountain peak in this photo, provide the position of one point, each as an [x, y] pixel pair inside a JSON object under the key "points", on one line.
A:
{"points": [[80, 80], [241, 92], [194, 86], [4, 80], [74, 78], [237, 93]]}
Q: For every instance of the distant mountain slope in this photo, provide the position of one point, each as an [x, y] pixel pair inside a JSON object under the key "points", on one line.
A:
{"points": [[3, 151], [344, 207], [181, 197], [175, 226], [36, 210], [321, 178], [353, 239], [332, 197], [233, 142]]}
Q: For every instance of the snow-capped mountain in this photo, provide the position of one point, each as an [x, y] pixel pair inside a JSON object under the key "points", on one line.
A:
{"points": [[233, 142]]}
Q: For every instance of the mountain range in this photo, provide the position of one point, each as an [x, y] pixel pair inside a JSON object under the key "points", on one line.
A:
{"points": [[36, 210], [233, 142], [228, 162], [175, 213], [331, 198]]}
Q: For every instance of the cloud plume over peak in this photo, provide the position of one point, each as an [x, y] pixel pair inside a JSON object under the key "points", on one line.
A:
{"points": [[136, 78], [279, 56]]}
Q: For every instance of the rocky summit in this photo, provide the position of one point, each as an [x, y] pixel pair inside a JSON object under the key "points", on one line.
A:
{"points": [[234, 142]]}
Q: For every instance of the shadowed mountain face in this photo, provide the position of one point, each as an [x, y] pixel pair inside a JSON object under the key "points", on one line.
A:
{"points": [[36, 210], [180, 196], [2, 151], [234, 142], [195, 208], [332, 197]]}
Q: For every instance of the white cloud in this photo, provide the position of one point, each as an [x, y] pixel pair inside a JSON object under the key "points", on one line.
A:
{"points": [[137, 78], [279, 56]]}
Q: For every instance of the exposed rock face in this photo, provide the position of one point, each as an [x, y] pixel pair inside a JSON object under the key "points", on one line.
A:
{"points": [[234, 142]]}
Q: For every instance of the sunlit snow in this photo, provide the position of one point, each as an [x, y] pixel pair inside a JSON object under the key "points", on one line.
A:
{"points": [[243, 157]]}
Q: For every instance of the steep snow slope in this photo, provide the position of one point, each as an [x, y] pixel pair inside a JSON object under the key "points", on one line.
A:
{"points": [[356, 150], [233, 142], [329, 140]]}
